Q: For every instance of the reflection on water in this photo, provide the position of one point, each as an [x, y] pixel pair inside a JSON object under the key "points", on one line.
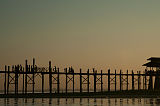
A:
{"points": [[79, 101]]}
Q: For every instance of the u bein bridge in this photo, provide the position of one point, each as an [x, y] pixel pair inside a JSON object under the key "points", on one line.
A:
{"points": [[116, 80]]}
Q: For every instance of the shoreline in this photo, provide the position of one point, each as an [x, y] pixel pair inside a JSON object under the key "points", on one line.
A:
{"points": [[111, 94]]}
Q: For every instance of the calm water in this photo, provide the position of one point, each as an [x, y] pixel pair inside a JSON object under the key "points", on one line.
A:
{"points": [[80, 102]]}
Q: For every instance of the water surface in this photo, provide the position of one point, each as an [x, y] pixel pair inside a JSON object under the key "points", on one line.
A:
{"points": [[79, 102]]}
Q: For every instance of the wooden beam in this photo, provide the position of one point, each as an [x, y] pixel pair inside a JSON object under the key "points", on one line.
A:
{"points": [[109, 80], [50, 78]]}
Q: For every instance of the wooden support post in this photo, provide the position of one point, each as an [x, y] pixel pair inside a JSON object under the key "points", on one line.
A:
{"points": [[143, 83], [42, 82], [26, 67], [50, 77], [88, 81], [5, 78], [120, 76], [101, 82], [58, 82], [16, 79], [115, 80], [95, 79], [109, 80], [66, 80], [73, 80], [132, 80], [145, 79], [23, 82], [80, 80], [150, 86], [139, 81], [8, 79], [33, 69], [127, 80]]}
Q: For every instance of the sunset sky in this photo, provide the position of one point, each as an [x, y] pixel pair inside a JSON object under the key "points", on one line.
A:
{"points": [[116, 34]]}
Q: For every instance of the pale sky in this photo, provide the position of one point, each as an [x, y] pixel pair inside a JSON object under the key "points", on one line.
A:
{"points": [[116, 34]]}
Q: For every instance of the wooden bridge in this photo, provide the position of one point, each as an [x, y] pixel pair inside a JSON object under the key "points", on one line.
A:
{"points": [[116, 80]]}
